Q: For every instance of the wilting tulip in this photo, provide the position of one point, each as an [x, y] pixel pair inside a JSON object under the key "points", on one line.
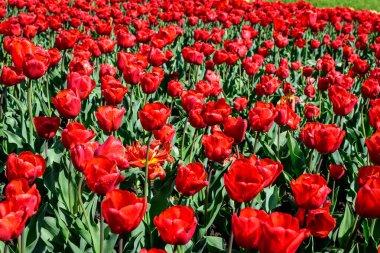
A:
{"points": [[247, 227], [10, 77], [75, 133], [217, 146], [81, 153], [26, 165], [153, 116], [165, 134], [373, 145], [123, 211], [261, 116], [319, 222], [281, 233], [176, 225], [25, 197], [235, 128], [114, 150], [46, 127], [336, 171], [109, 117], [343, 101], [310, 191], [191, 178], [67, 103], [102, 175], [81, 83], [367, 201]]}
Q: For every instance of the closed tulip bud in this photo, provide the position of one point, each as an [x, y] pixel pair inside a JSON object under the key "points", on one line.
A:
{"points": [[67, 103], [26, 165], [75, 133], [123, 211], [235, 128], [81, 153], [102, 175], [46, 127], [336, 171], [310, 191], [109, 117], [176, 225], [247, 227], [217, 146], [191, 178], [281, 233], [153, 116]]}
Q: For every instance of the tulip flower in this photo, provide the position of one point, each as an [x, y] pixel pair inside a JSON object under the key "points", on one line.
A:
{"points": [[26, 165], [153, 116], [46, 127], [191, 178]]}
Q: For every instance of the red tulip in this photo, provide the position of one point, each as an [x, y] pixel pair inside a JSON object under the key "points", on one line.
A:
{"points": [[109, 117], [191, 178], [366, 173], [75, 133], [217, 146], [46, 127], [81, 153], [247, 227], [114, 150], [370, 88], [367, 201], [112, 90], [102, 175], [10, 77], [12, 220], [235, 128], [343, 101], [176, 225], [373, 145], [26, 165], [150, 81], [281, 233], [310, 191], [311, 111], [26, 198], [153, 250], [123, 211], [175, 89], [319, 222], [261, 116], [165, 134], [153, 116], [80, 83], [336, 171], [68, 103], [190, 99], [240, 103], [214, 113]]}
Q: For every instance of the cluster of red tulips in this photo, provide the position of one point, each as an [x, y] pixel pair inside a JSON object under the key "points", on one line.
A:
{"points": [[188, 126]]}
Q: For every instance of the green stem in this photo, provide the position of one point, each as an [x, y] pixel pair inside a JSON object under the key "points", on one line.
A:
{"points": [[256, 140], [333, 193], [46, 149], [237, 151], [146, 183], [278, 143], [311, 160], [83, 208], [5, 248], [69, 186], [231, 241], [20, 241], [101, 227], [183, 136], [30, 111], [362, 120], [192, 145], [358, 221], [121, 244], [180, 199], [48, 95], [207, 196]]}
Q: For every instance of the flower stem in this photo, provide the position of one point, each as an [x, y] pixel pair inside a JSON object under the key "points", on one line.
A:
{"points": [[48, 95], [357, 223], [207, 196], [256, 140], [362, 119], [121, 244], [237, 151], [278, 142], [192, 145], [30, 110], [180, 199], [146, 183], [20, 241], [231, 241], [46, 149], [311, 160], [101, 227], [183, 137], [333, 194]]}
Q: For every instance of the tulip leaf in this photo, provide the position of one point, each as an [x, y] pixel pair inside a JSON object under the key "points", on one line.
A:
{"points": [[346, 225], [215, 244]]}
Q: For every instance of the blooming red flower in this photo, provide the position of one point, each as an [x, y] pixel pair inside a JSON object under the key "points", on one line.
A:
{"points": [[26, 165], [10, 77], [109, 117], [240, 103], [336, 171], [80, 83], [12, 220], [68, 103], [191, 178], [235, 128], [123, 211], [102, 175], [46, 127], [114, 150], [247, 227], [368, 199], [373, 145], [217, 146], [165, 134], [75, 133], [214, 113], [261, 116], [311, 111], [176, 224], [153, 116], [342, 100], [319, 222], [310, 191], [81, 153]]}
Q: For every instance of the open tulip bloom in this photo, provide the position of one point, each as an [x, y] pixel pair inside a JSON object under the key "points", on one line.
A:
{"points": [[188, 126]]}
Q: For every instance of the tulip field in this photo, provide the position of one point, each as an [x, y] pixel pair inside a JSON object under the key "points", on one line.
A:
{"points": [[188, 126]]}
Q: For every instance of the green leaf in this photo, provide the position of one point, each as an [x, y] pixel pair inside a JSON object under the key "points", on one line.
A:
{"points": [[215, 244], [346, 225]]}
